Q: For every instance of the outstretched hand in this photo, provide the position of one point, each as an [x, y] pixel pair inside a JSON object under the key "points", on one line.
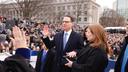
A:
{"points": [[19, 40]]}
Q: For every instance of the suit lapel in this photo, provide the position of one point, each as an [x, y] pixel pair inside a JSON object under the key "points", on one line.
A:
{"points": [[69, 40], [61, 40]]}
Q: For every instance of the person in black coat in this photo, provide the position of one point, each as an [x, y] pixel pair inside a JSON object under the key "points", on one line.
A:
{"points": [[49, 59], [20, 61], [70, 47], [119, 65], [46, 55], [93, 57], [119, 61]]}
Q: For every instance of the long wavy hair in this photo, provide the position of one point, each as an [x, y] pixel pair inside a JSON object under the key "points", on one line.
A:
{"points": [[100, 40]]}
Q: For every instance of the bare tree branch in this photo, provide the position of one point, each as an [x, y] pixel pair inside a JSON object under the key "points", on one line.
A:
{"points": [[111, 18], [29, 8]]}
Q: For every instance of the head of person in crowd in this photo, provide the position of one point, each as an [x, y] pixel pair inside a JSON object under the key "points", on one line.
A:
{"points": [[95, 35], [127, 25], [37, 25], [2, 41], [45, 26], [2, 38], [67, 23], [0, 19]]}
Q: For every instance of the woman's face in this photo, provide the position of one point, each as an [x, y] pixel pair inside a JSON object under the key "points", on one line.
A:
{"points": [[90, 37]]}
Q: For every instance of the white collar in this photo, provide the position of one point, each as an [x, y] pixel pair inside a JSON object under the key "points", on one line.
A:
{"points": [[69, 32]]}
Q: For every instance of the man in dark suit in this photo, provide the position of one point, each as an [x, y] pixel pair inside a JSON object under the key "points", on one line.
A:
{"points": [[46, 55], [66, 43], [48, 63]]}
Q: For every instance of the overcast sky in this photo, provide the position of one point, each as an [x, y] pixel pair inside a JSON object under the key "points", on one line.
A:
{"points": [[105, 3]]}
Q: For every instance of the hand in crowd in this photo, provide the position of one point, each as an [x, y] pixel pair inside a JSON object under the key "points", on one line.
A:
{"points": [[19, 40], [71, 54]]}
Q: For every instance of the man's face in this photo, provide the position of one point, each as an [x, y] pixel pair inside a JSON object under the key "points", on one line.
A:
{"points": [[66, 23]]}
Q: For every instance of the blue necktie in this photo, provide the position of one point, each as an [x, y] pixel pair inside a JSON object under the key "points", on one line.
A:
{"points": [[43, 60], [125, 58], [65, 40]]}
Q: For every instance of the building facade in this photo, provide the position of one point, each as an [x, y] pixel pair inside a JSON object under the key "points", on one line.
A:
{"points": [[122, 8], [84, 11]]}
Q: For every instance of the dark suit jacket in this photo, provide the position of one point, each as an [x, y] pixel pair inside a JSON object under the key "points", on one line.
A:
{"points": [[120, 58], [49, 61], [74, 43], [90, 60], [18, 62]]}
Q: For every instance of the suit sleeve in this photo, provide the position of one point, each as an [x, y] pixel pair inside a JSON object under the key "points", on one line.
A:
{"points": [[49, 43], [80, 43]]}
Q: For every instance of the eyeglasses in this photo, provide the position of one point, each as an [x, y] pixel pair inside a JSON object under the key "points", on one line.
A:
{"points": [[66, 21]]}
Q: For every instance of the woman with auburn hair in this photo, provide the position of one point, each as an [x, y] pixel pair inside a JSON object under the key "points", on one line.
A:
{"points": [[93, 57]]}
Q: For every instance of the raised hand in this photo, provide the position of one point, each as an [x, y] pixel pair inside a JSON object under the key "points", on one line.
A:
{"points": [[46, 32], [19, 40]]}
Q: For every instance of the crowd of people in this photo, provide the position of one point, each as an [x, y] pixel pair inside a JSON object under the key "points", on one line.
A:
{"points": [[33, 33], [65, 47], [115, 41]]}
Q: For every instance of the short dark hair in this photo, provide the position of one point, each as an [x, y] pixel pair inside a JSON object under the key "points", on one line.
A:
{"points": [[72, 19]]}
